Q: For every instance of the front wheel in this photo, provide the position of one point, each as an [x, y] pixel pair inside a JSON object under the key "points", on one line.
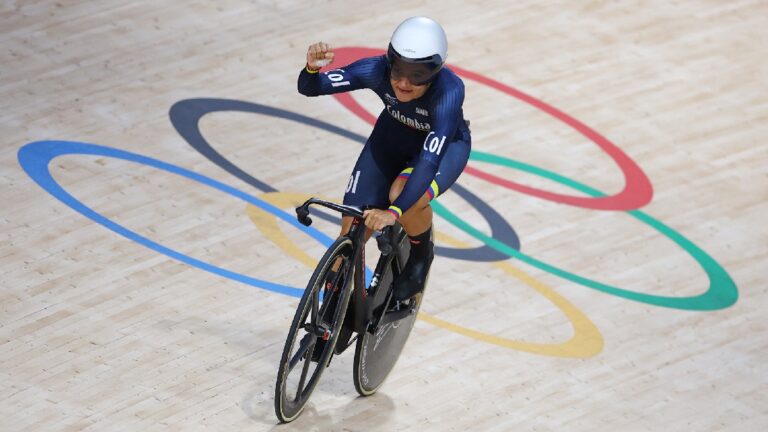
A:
{"points": [[314, 330]]}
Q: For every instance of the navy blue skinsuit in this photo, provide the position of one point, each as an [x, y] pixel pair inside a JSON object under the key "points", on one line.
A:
{"points": [[425, 140]]}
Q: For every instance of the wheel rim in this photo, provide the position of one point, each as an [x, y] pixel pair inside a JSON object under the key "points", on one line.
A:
{"points": [[299, 374]]}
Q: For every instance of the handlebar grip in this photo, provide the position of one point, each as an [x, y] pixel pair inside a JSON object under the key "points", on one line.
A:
{"points": [[302, 213], [384, 241]]}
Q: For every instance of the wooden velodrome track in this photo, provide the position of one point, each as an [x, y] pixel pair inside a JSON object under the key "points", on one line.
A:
{"points": [[136, 297]]}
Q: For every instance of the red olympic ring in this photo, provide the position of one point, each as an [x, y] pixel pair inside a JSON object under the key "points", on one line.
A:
{"points": [[637, 191]]}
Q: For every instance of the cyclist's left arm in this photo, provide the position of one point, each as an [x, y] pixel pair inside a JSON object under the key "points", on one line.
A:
{"points": [[447, 115]]}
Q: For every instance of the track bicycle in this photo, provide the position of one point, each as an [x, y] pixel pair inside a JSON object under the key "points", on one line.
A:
{"points": [[338, 310]]}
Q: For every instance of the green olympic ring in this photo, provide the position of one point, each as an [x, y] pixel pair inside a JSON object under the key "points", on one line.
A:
{"points": [[722, 291]]}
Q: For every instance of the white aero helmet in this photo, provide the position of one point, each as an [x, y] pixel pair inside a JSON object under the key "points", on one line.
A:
{"points": [[417, 50]]}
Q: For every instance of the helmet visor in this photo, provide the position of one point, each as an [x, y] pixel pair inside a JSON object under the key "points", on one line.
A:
{"points": [[417, 71]]}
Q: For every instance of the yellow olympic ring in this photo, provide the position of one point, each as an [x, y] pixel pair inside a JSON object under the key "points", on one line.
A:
{"points": [[585, 342]]}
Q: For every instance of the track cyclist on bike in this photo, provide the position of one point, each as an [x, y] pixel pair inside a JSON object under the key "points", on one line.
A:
{"points": [[420, 143]]}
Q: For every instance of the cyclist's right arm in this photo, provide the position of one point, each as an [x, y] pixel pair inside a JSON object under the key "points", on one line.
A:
{"points": [[364, 73]]}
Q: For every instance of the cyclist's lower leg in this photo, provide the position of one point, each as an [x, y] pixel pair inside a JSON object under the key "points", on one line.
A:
{"points": [[417, 222]]}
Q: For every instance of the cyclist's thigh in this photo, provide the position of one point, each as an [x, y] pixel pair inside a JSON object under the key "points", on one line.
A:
{"points": [[374, 172], [452, 164]]}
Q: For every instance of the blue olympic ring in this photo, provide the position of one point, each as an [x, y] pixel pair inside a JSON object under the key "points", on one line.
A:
{"points": [[35, 157]]}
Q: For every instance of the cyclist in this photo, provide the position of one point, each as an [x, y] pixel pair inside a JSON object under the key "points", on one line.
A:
{"points": [[420, 143]]}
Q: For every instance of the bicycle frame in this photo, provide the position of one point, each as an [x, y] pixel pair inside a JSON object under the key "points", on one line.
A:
{"points": [[367, 313], [368, 306]]}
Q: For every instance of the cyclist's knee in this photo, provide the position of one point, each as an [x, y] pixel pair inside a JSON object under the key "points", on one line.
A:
{"points": [[421, 204], [424, 201]]}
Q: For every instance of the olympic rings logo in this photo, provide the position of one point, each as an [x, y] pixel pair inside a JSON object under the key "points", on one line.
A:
{"points": [[501, 244]]}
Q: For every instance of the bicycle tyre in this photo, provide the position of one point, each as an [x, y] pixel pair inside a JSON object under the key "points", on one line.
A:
{"points": [[288, 408]]}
